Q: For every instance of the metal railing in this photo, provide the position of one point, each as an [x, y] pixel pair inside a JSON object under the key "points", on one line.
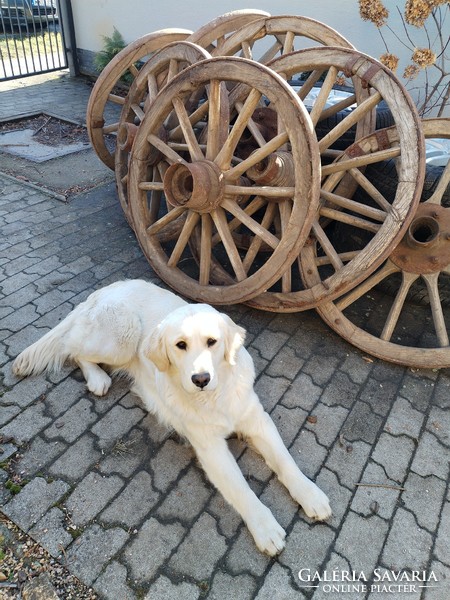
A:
{"points": [[31, 38]]}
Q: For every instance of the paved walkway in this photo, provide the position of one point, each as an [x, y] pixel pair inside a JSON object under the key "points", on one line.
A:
{"points": [[125, 505]]}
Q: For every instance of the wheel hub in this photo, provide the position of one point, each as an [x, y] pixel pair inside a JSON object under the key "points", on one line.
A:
{"points": [[425, 248], [198, 186], [275, 170]]}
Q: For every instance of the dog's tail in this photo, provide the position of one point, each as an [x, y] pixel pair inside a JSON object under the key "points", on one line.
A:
{"points": [[47, 354]]}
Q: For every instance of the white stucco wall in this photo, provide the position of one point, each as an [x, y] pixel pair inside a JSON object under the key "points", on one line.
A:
{"points": [[94, 19]]}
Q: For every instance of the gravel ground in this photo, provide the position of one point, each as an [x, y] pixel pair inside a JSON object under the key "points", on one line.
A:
{"points": [[22, 560]]}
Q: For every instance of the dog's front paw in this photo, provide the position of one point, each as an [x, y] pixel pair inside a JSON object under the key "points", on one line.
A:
{"points": [[99, 383], [268, 534], [316, 504]]}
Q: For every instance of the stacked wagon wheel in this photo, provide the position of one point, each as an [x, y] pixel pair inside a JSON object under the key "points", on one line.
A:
{"points": [[238, 193]]}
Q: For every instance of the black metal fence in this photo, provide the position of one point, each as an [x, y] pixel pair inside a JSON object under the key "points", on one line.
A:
{"points": [[31, 38]]}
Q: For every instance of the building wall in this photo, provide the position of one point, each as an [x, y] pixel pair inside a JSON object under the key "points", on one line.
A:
{"points": [[135, 18]]}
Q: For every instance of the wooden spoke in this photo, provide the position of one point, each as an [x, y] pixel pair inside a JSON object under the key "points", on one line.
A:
{"points": [[257, 156], [309, 83], [270, 239], [397, 306], [185, 124], [288, 45], [356, 207], [370, 189], [327, 246], [115, 99], [159, 225], [138, 111], [431, 281], [205, 250], [110, 128], [285, 213], [360, 161], [386, 270], [443, 184], [253, 206], [342, 217], [223, 158], [133, 70], [257, 241], [336, 108], [215, 119], [183, 239], [356, 115], [260, 190], [324, 93], [220, 221], [169, 153]]}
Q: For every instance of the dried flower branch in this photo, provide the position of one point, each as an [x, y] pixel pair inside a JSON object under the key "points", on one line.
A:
{"points": [[429, 16]]}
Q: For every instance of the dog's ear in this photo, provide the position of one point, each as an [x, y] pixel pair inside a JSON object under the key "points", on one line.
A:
{"points": [[234, 339], [154, 348]]}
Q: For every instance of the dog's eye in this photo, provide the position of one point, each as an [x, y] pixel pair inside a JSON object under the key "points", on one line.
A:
{"points": [[211, 342], [181, 345]]}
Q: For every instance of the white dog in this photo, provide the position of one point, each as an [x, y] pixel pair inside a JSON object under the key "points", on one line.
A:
{"points": [[190, 368]]}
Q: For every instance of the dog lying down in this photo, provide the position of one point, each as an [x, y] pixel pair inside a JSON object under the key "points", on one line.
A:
{"points": [[189, 367]]}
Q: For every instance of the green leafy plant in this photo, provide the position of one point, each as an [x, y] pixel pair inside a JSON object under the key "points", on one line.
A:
{"points": [[112, 46]]}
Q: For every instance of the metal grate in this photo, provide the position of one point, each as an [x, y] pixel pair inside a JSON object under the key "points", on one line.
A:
{"points": [[31, 38]]}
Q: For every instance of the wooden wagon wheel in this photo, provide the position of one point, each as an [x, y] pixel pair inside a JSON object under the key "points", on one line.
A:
{"points": [[126, 61], [204, 181], [383, 326], [157, 72], [387, 221]]}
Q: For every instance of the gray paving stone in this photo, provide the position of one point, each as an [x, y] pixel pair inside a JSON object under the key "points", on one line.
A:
{"points": [[370, 500], [306, 546], [404, 419], [407, 545], [26, 425], [38, 454], [112, 583], [302, 393], [352, 541], [417, 391], [116, 424], [91, 552], [76, 460], [253, 466], [8, 413], [92, 495], [442, 549], [276, 497], [243, 555], [340, 390], [307, 453], [424, 496], [33, 501], [439, 590], [362, 424], [321, 367], [380, 395], [286, 363], [156, 542], [270, 390], [187, 499], [163, 589], [73, 422], [339, 495], [394, 453], [431, 457], [64, 395], [168, 462], [288, 421], [356, 367], [51, 533], [439, 423], [277, 584], [127, 455], [336, 564], [238, 587], [269, 343], [26, 391], [228, 520], [133, 503], [203, 540], [329, 422]]}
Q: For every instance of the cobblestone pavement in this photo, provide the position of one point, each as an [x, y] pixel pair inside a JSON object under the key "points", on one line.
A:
{"points": [[124, 504]]}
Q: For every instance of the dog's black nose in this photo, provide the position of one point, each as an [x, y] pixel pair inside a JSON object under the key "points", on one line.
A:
{"points": [[201, 379]]}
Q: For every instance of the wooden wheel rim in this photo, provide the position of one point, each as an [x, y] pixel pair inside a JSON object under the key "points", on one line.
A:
{"points": [[108, 78], [166, 61], [214, 31], [333, 312], [412, 171], [304, 193]]}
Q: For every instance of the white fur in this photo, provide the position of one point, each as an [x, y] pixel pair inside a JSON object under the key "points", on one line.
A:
{"points": [[166, 345]]}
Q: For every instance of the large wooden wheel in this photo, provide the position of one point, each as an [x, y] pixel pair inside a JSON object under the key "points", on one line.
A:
{"points": [[128, 61], [155, 74], [387, 327], [204, 181], [103, 96], [387, 220]]}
